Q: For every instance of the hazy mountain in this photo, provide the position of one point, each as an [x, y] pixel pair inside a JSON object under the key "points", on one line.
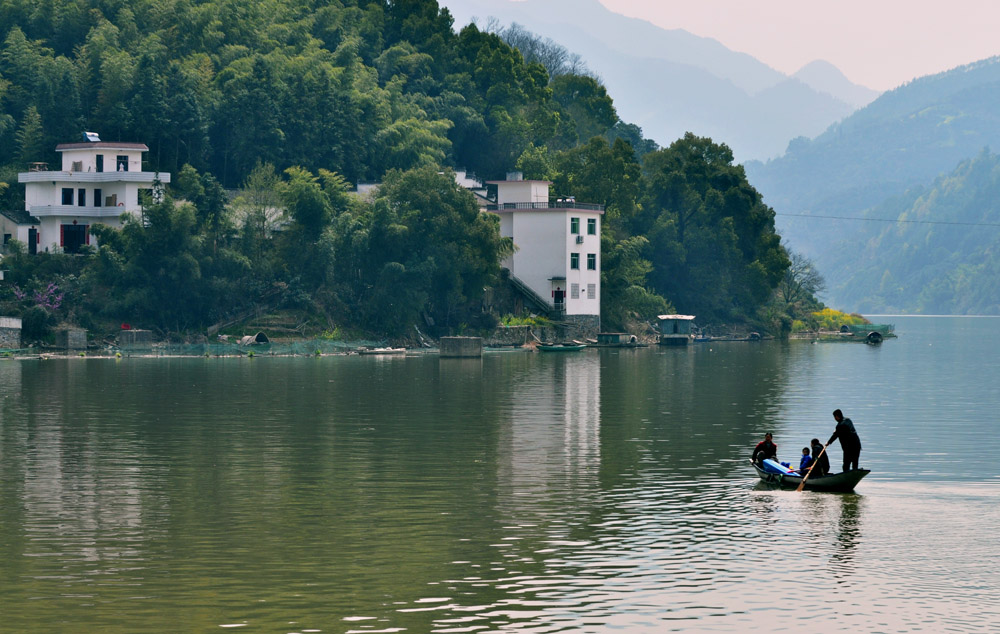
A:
{"points": [[906, 137], [670, 81], [824, 77], [943, 257]]}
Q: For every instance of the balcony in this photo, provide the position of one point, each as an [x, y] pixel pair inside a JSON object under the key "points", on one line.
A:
{"points": [[559, 204], [92, 177], [44, 211]]}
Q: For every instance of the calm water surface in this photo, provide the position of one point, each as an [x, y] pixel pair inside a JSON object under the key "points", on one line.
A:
{"points": [[591, 492]]}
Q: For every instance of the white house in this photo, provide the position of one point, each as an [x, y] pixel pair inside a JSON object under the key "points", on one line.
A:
{"points": [[98, 182], [557, 247], [15, 224]]}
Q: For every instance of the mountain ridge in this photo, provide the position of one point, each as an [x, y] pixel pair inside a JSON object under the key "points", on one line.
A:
{"points": [[907, 141], [825, 77], [683, 76]]}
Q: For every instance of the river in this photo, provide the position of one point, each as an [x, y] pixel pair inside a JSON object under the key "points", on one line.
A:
{"points": [[598, 491]]}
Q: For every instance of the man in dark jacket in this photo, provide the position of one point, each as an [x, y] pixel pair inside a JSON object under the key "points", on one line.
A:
{"points": [[850, 443], [765, 449], [823, 466]]}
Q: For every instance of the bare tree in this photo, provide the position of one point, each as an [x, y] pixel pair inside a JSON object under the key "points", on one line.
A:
{"points": [[534, 48], [801, 281]]}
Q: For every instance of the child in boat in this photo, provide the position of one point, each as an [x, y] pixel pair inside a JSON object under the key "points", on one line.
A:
{"points": [[805, 461]]}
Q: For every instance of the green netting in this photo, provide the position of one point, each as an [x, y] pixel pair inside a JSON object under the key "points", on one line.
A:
{"points": [[864, 329], [321, 346], [215, 349]]}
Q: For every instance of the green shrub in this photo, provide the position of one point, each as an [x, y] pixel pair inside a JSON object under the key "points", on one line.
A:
{"points": [[36, 323]]}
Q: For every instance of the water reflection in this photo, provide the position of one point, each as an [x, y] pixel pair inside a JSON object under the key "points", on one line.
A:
{"points": [[848, 534], [10, 378], [553, 433], [605, 490]]}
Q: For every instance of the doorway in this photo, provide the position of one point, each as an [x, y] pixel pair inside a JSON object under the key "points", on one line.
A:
{"points": [[73, 237]]}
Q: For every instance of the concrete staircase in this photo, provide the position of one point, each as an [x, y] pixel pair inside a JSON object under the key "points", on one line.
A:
{"points": [[538, 302]]}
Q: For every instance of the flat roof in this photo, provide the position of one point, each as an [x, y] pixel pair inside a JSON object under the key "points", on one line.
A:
{"points": [[525, 180], [101, 145]]}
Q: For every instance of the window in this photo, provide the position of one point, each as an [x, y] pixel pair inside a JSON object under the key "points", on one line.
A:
{"points": [[574, 225], [97, 197], [591, 226], [574, 291], [591, 261], [574, 261], [591, 291], [121, 163], [100, 162], [67, 195], [81, 197]]}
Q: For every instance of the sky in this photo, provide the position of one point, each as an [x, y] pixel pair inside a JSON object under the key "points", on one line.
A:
{"points": [[876, 43]]}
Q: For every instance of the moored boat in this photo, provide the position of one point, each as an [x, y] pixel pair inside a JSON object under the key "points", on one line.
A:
{"points": [[382, 351], [775, 474], [561, 347]]}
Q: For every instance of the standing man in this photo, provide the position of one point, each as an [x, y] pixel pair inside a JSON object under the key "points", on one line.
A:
{"points": [[850, 443]]}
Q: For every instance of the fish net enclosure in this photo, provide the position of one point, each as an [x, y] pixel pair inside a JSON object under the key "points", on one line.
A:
{"points": [[235, 348], [862, 330]]}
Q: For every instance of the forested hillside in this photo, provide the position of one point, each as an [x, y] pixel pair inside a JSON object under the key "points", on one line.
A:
{"points": [[905, 138], [291, 103], [942, 257], [357, 87]]}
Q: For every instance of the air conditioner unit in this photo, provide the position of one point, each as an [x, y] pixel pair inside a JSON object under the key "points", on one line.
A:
{"points": [[579, 239]]}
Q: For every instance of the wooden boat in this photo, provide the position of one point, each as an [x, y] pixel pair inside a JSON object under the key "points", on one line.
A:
{"points": [[779, 476], [561, 347], [382, 351]]}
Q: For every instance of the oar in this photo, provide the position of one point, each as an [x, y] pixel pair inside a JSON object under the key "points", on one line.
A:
{"points": [[811, 467]]}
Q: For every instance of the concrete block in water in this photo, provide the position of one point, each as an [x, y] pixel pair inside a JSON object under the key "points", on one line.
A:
{"points": [[10, 332], [461, 347], [135, 339], [71, 339]]}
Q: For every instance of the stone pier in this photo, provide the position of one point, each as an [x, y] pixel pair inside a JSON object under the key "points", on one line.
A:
{"points": [[10, 332]]}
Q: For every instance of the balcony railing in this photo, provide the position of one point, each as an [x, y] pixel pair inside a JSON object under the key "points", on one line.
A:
{"points": [[559, 204], [92, 177], [87, 211]]}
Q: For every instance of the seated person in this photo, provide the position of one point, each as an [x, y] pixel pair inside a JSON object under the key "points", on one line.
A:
{"points": [[765, 449], [805, 461], [823, 466]]}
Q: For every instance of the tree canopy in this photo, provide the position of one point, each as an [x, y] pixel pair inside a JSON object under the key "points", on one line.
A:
{"points": [[293, 102]]}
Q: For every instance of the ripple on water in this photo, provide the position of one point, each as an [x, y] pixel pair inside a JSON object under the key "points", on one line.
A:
{"points": [[519, 494], [726, 556]]}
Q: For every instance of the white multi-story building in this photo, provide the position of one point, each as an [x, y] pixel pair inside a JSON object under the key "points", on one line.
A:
{"points": [[98, 182], [557, 247]]}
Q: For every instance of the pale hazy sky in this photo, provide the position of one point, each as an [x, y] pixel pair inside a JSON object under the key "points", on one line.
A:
{"points": [[876, 43]]}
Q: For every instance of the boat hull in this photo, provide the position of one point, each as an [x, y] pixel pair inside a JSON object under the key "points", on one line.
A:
{"points": [[560, 348], [834, 482]]}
